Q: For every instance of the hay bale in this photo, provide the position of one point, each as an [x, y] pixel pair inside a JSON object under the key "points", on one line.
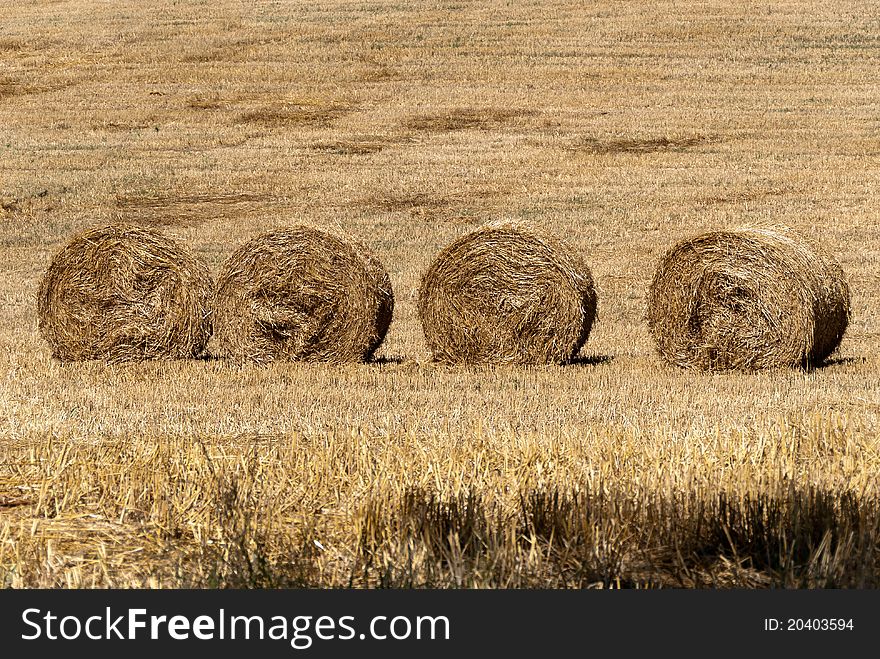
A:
{"points": [[750, 298], [121, 292], [507, 293], [302, 294]]}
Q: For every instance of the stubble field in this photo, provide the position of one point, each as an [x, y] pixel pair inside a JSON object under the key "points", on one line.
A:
{"points": [[619, 126]]}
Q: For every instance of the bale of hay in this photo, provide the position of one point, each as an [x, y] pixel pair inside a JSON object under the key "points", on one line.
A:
{"points": [[302, 294], [507, 293], [749, 299], [122, 292]]}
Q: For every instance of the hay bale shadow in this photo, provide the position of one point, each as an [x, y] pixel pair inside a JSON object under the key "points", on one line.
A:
{"points": [[591, 360], [389, 360]]}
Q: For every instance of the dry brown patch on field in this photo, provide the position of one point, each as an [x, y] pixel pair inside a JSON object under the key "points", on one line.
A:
{"points": [[610, 145], [294, 115], [381, 66], [744, 196], [359, 145], [12, 86], [122, 126], [237, 49], [202, 101], [189, 210], [463, 119], [9, 44], [453, 206], [8, 204], [379, 73]]}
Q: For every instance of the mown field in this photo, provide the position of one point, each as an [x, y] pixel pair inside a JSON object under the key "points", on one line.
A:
{"points": [[620, 126]]}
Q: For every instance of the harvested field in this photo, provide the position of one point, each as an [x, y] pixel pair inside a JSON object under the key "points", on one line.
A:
{"points": [[621, 127]]}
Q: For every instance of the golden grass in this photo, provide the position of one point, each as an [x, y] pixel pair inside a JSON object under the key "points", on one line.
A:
{"points": [[246, 511], [646, 124]]}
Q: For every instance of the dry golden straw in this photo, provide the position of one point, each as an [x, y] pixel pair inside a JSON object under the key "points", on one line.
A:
{"points": [[122, 292], [302, 294], [750, 298], [507, 293]]}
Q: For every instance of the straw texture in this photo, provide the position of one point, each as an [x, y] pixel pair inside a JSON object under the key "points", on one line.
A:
{"points": [[121, 292], [302, 294], [750, 298], [507, 293]]}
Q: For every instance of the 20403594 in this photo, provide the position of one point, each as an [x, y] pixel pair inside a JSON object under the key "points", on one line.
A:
{"points": [[808, 624]]}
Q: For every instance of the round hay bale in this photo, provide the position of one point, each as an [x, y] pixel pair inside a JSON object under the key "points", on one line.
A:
{"points": [[302, 294], [121, 292], [507, 293], [749, 299]]}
